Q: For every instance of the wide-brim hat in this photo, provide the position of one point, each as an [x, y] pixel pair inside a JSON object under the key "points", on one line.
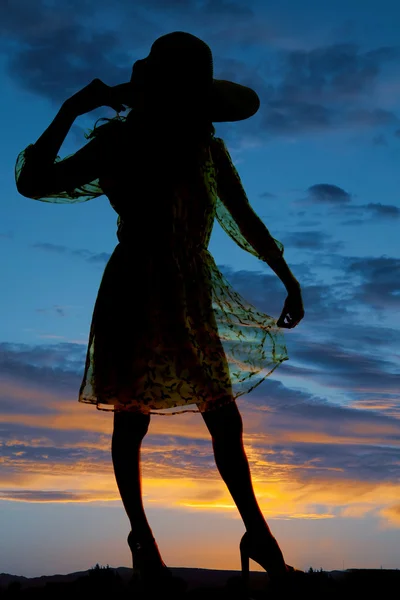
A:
{"points": [[181, 61]]}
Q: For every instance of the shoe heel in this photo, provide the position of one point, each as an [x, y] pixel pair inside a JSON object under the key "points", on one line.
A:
{"points": [[245, 560]]}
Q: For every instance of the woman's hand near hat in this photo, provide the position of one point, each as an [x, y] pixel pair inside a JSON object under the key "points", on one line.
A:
{"points": [[96, 94]]}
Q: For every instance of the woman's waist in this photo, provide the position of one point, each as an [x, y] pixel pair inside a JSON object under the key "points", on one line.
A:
{"points": [[154, 237]]}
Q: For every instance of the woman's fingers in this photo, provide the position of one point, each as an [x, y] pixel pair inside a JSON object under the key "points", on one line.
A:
{"points": [[292, 320]]}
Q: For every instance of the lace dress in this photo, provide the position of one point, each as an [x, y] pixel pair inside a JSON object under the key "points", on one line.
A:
{"points": [[168, 331]]}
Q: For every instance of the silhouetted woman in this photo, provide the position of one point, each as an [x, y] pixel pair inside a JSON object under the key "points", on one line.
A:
{"points": [[168, 331]]}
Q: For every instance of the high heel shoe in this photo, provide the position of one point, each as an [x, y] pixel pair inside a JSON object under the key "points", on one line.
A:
{"points": [[149, 570], [146, 558], [268, 555]]}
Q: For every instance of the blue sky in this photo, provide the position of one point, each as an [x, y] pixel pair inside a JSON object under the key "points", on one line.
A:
{"points": [[319, 163]]}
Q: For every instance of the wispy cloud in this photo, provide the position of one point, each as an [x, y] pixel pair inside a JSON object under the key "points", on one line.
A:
{"points": [[387, 211], [91, 257], [379, 287], [57, 310]]}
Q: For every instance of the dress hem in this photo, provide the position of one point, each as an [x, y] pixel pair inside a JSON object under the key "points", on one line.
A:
{"points": [[179, 412]]}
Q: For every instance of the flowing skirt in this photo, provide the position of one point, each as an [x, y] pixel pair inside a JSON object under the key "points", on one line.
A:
{"points": [[168, 331]]}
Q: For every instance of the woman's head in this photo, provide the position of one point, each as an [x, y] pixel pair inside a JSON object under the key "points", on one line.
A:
{"points": [[176, 77], [170, 90]]}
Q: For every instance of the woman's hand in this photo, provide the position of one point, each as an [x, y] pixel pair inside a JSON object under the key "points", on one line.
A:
{"points": [[96, 94], [293, 310]]}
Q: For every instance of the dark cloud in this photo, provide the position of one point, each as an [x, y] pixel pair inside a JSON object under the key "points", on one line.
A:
{"points": [[383, 210], [267, 195], [325, 88], [352, 222], [368, 438], [332, 346], [335, 196], [52, 52], [286, 117], [58, 310], [58, 366], [49, 68], [380, 282], [328, 193], [347, 354], [42, 496], [312, 241], [50, 247], [336, 365], [342, 68], [376, 335], [65, 354], [49, 450], [55, 51], [373, 210], [41, 453], [334, 462], [31, 437], [353, 422], [264, 291], [98, 258]]}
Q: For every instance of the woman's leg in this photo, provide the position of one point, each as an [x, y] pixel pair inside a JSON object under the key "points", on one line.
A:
{"points": [[129, 431], [226, 428]]}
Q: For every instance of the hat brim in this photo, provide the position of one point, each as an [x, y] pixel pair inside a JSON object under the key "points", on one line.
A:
{"points": [[232, 101], [229, 101]]}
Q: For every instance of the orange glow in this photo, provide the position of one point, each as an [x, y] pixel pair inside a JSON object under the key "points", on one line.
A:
{"points": [[285, 490]]}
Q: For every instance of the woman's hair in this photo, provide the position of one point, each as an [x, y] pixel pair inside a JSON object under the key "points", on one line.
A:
{"points": [[196, 130]]}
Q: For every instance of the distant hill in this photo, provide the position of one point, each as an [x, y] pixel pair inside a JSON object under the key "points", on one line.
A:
{"points": [[354, 584], [196, 578]]}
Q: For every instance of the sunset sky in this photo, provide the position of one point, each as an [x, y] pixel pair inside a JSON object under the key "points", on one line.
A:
{"points": [[320, 165]]}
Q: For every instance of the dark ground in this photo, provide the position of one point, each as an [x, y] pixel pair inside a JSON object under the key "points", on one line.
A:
{"points": [[106, 582]]}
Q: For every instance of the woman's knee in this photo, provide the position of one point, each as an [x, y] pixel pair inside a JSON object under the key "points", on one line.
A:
{"points": [[224, 422], [133, 424]]}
